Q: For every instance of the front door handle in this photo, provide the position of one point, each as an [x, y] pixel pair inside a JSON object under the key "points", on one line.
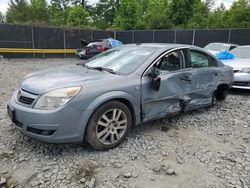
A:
{"points": [[185, 78]]}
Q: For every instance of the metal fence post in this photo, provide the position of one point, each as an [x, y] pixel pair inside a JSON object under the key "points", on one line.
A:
{"points": [[153, 36], [33, 42], [114, 34], [133, 37], [229, 36], [91, 35], [64, 43], [175, 33], [194, 32]]}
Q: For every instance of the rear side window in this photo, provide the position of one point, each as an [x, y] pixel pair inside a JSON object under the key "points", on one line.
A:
{"points": [[199, 60]]}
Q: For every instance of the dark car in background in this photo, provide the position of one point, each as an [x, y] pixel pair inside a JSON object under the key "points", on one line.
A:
{"points": [[95, 47]]}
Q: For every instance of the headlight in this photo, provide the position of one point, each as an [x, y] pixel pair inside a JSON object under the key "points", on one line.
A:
{"points": [[245, 70], [56, 98]]}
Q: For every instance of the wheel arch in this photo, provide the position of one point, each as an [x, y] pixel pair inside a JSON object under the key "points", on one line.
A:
{"points": [[221, 91], [223, 86], [126, 98]]}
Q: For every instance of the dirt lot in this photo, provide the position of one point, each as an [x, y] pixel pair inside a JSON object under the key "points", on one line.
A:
{"points": [[206, 148]]}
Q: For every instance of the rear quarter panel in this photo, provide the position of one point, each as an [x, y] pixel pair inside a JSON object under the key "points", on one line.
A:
{"points": [[227, 75]]}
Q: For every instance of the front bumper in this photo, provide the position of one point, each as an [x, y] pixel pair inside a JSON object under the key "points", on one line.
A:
{"points": [[241, 80], [63, 125]]}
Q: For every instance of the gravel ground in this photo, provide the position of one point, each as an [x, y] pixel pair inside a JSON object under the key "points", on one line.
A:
{"points": [[205, 148]]}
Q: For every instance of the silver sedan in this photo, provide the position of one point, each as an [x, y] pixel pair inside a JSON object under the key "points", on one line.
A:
{"points": [[215, 48], [241, 66], [129, 85]]}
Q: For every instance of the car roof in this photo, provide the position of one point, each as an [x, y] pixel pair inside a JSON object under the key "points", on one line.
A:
{"points": [[244, 46], [162, 47], [224, 43]]}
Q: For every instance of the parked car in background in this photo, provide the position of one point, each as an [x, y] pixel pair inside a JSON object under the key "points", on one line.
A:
{"points": [[215, 48], [241, 66], [103, 98], [95, 47]]}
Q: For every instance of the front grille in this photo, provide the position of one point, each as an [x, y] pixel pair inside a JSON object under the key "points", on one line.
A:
{"points": [[26, 97], [25, 100], [241, 83]]}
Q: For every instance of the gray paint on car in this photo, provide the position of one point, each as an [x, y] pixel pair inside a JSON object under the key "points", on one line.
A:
{"points": [[98, 87]]}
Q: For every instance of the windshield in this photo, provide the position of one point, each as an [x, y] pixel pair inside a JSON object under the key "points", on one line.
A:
{"points": [[122, 60], [241, 52], [217, 47]]}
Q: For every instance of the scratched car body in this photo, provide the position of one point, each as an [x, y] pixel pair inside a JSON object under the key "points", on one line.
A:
{"points": [[100, 100]]}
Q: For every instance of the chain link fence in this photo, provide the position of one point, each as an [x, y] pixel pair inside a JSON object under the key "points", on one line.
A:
{"points": [[33, 37]]}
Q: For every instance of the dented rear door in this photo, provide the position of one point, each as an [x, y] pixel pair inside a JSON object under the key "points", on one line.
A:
{"points": [[204, 79]]}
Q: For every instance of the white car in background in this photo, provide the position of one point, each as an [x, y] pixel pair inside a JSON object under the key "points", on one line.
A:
{"points": [[215, 48], [241, 66]]}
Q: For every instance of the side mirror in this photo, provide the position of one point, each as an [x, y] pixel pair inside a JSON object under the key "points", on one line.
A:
{"points": [[156, 83], [156, 80]]}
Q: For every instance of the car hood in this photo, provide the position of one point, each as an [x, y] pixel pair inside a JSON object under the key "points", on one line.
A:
{"points": [[66, 76], [237, 63]]}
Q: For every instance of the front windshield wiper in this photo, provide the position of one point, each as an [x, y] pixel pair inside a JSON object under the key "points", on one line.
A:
{"points": [[102, 69]]}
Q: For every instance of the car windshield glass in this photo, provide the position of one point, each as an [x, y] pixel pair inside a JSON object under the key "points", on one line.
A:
{"points": [[241, 52], [217, 47], [122, 60]]}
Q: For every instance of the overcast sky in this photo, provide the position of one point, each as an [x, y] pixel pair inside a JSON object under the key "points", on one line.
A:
{"points": [[4, 3]]}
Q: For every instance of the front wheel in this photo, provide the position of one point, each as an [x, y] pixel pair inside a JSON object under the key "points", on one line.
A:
{"points": [[108, 125]]}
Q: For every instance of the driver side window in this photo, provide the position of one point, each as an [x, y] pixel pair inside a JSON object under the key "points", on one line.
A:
{"points": [[169, 62]]}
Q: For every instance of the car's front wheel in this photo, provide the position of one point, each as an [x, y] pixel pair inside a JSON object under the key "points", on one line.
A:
{"points": [[108, 125]]}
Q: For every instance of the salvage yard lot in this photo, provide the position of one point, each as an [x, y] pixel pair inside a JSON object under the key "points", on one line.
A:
{"points": [[205, 148]]}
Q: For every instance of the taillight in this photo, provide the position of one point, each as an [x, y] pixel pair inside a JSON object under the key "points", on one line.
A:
{"points": [[100, 49]]}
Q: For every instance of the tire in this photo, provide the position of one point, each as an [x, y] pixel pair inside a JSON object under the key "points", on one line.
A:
{"points": [[214, 99], [221, 94], [108, 126]]}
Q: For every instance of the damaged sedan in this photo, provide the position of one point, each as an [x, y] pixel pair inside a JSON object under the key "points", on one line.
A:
{"points": [[100, 100]]}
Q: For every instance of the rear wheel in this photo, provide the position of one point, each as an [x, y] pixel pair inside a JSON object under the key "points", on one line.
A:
{"points": [[221, 94], [214, 99], [108, 125]]}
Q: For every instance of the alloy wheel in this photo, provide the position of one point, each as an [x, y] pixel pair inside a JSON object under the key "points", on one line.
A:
{"points": [[112, 126]]}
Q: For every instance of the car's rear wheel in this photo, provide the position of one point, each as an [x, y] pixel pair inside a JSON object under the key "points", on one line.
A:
{"points": [[108, 125], [221, 94], [214, 99]]}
